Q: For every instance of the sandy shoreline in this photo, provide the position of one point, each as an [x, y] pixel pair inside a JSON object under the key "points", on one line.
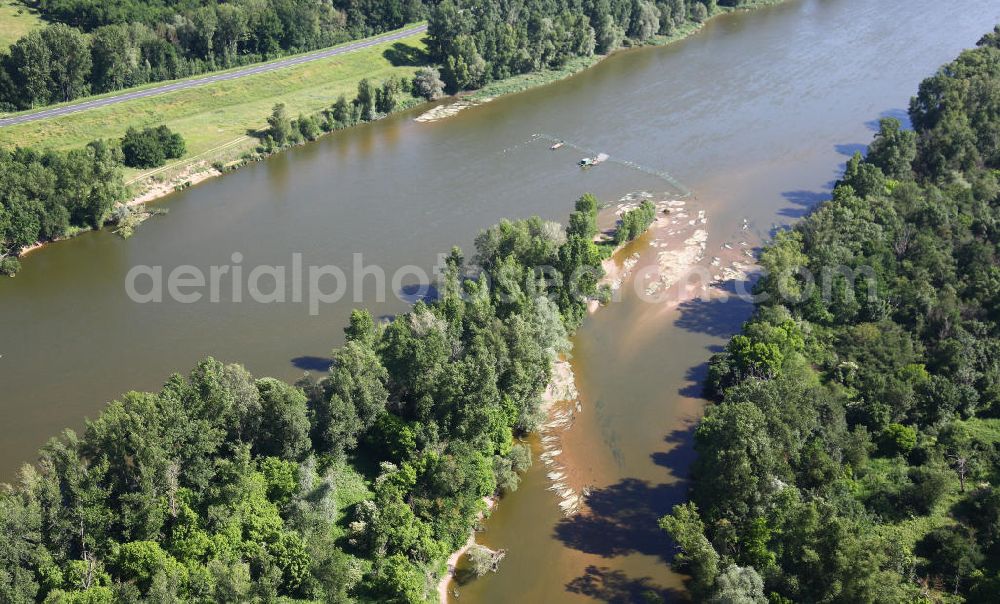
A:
{"points": [[453, 559], [560, 400], [190, 176], [666, 266]]}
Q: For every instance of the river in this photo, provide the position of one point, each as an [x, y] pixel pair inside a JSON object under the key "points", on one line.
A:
{"points": [[755, 114]]}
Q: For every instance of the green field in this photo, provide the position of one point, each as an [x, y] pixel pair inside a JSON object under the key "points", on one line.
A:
{"points": [[16, 20], [216, 114]]}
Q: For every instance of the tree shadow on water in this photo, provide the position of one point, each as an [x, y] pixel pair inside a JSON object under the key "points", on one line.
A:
{"points": [[695, 378], [615, 587], [680, 452], [312, 363], [403, 55], [850, 149], [802, 202], [622, 519], [719, 317], [417, 292], [900, 114]]}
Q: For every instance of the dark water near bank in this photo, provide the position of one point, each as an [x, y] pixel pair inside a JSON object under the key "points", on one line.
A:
{"points": [[755, 114]]}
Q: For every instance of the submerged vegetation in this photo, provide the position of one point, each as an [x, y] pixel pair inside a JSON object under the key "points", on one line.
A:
{"points": [[225, 488], [853, 451]]}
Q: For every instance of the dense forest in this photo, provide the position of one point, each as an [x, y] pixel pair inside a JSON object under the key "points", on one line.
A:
{"points": [[93, 47], [478, 41], [852, 453], [225, 488]]}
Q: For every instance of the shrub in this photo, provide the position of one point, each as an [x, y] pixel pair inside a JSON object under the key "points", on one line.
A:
{"points": [[929, 485], [427, 83], [9, 266], [635, 222], [151, 147], [898, 439], [308, 127]]}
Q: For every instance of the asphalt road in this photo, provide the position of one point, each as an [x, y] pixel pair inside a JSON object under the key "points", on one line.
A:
{"points": [[222, 77]]}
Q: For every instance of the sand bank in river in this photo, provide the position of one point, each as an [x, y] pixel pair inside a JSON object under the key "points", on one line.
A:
{"points": [[677, 242], [659, 265], [449, 109], [666, 266]]}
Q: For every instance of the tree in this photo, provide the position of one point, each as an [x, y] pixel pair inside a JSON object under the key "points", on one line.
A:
{"points": [[71, 62], [696, 554], [341, 112], [308, 127], [699, 13], [148, 564], [863, 177], [151, 147], [365, 100], [398, 580], [899, 439], [635, 222], [172, 143], [356, 395], [734, 446], [116, 57], [464, 68], [583, 222], [738, 585], [609, 34], [141, 150], [645, 21], [385, 97], [484, 560], [893, 149], [953, 552], [29, 67], [20, 524], [279, 124], [284, 426], [579, 264], [427, 84]]}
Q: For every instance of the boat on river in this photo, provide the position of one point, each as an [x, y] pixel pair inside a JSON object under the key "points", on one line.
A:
{"points": [[556, 145], [587, 162]]}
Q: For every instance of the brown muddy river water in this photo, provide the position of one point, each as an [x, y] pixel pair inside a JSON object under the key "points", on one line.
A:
{"points": [[755, 115]]}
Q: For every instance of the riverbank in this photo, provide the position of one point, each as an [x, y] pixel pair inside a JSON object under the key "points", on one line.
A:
{"points": [[522, 82], [155, 190], [451, 564], [560, 399], [217, 106]]}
